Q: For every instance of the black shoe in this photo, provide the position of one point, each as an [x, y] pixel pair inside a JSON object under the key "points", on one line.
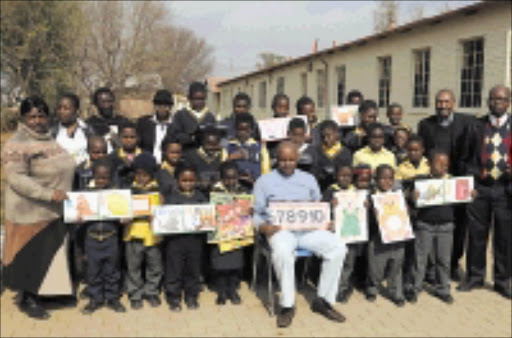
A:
{"points": [[221, 298], [234, 297], [31, 306], [115, 305], [192, 303], [153, 300], [343, 296], [466, 286], [370, 297], [398, 301], [321, 306], [84, 294], [136, 304], [285, 317], [448, 299], [411, 297], [503, 290], [91, 307], [457, 274], [175, 306]]}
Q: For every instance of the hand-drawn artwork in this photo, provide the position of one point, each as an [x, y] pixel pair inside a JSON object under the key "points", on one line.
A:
{"points": [[444, 191], [463, 188], [345, 115], [171, 219], [144, 204], [431, 192], [233, 220], [350, 216], [116, 204], [276, 129], [81, 205], [300, 216], [392, 217]]}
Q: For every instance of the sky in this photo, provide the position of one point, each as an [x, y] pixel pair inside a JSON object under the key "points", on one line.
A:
{"points": [[239, 30]]}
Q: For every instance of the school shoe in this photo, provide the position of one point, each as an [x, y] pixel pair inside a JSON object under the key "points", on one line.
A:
{"points": [[321, 306], [234, 297], [456, 274], [153, 300], [174, 305], [91, 307], [466, 286], [370, 297], [221, 298], [192, 303], [399, 302], [30, 305], [136, 304], [285, 316], [344, 295], [411, 297], [505, 291], [115, 304], [448, 299]]}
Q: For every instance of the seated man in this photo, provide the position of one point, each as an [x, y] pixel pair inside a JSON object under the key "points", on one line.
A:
{"points": [[286, 183]]}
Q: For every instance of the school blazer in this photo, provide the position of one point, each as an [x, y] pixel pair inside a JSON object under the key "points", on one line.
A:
{"points": [[147, 133]]}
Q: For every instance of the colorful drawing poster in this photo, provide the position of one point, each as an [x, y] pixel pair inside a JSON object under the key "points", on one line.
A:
{"points": [[344, 115], [115, 204], [172, 219], [392, 217], [463, 187], [143, 205], [350, 216], [276, 129], [431, 192], [234, 244], [300, 216], [81, 205], [233, 217]]}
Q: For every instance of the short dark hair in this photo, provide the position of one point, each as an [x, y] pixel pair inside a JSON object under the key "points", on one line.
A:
{"points": [[342, 165], [296, 123], [367, 105], [404, 129], [127, 125], [104, 162], [184, 166], [353, 94], [209, 130], [277, 97], [381, 168], [162, 97], [304, 100], [361, 167], [99, 91], [244, 118], [435, 152], [328, 124], [75, 101], [33, 102], [392, 106], [228, 165], [196, 87], [169, 139], [372, 127], [242, 97], [96, 138], [415, 138]]}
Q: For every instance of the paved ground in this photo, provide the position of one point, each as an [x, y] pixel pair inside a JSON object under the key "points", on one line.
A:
{"points": [[479, 313]]}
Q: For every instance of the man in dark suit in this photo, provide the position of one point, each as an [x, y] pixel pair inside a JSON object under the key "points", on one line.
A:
{"points": [[447, 131], [152, 129], [490, 150]]}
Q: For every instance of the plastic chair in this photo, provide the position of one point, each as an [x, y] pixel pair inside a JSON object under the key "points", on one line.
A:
{"points": [[261, 247]]}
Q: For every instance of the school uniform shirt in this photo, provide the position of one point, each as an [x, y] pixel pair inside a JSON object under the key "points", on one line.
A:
{"points": [[186, 123], [140, 228], [76, 143], [374, 159], [207, 166], [165, 177], [326, 160], [151, 132], [180, 197], [406, 170], [258, 160], [122, 166]]}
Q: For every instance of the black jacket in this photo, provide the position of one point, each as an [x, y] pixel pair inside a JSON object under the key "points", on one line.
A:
{"points": [[461, 129], [185, 127], [147, 133], [101, 126]]}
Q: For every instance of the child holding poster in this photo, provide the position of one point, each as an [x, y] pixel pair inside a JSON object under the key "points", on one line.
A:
{"points": [[102, 250], [227, 266], [382, 257], [142, 246], [183, 251]]}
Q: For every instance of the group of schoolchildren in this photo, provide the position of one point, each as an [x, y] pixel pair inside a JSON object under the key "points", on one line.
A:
{"points": [[200, 155]]}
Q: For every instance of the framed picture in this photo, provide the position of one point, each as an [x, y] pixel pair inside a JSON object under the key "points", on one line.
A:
{"points": [[350, 216], [276, 129], [300, 216], [143, 204], [345, 116], [392, 217], [431, 192], [81, 205], [172, 219], [444, 191]]}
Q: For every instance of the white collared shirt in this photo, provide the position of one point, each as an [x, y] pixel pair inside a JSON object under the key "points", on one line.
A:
{"points": [[76, 145], [499, 122], [160, 132]]}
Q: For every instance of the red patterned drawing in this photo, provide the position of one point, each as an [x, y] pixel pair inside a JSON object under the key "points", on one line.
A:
{"points": [[462, 188]]}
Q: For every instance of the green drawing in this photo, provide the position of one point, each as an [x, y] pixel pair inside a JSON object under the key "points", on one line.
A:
{"points": [[350, 225]]}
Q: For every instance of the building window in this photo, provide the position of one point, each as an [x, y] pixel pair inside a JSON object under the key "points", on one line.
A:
{"points": [[280, 85], [340, 74], [251, 91], [472, 73], [384, 80], [304, 83], [421, 78], [263, 94], [320, 85]]}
